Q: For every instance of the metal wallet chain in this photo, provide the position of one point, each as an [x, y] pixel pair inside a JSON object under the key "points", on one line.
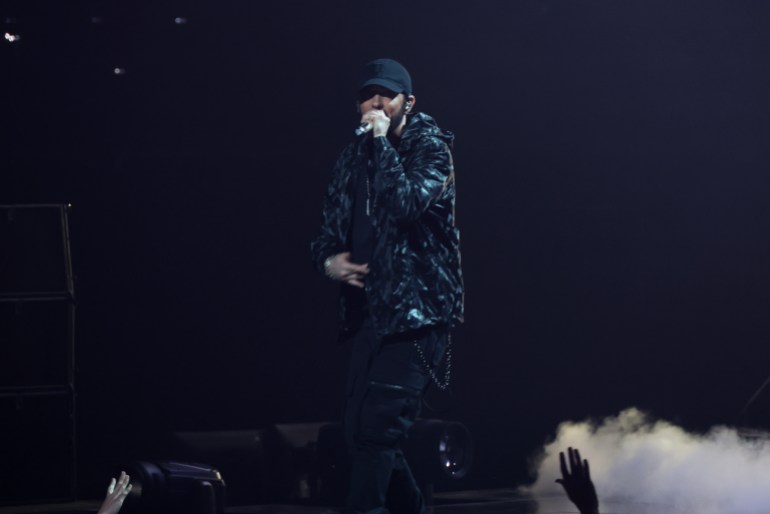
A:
{"points": [[448, 370]]}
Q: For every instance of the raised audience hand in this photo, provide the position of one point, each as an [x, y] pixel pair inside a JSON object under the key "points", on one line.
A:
{"points": [[576, 481], [116, 494]]}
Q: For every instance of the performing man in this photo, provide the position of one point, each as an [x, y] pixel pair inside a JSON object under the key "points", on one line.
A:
{"points": [[388, 235]]}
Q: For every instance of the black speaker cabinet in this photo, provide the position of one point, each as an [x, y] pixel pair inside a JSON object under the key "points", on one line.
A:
{"points": [[35, 343], [35, 257], [37, 389], [37, 447]]}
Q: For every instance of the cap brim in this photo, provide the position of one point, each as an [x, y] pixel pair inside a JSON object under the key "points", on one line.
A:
{"points": [[390, 84]]}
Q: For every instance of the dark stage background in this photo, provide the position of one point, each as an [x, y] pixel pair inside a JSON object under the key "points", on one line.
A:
{"points": [[612, 165]]}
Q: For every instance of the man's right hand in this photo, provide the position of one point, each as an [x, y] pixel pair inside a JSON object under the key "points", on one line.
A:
{"points": [[339, 267], [379, 120], [116, 494]]}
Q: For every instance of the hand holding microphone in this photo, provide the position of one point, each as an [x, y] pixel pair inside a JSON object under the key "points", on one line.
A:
{"points": [[376, 121], [363, 128]]}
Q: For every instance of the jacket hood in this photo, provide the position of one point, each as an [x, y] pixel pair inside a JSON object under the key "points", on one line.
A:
{"points": [[421, 125]]}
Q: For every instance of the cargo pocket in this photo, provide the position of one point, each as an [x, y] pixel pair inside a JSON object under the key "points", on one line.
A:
{"points": [[387, 413]]}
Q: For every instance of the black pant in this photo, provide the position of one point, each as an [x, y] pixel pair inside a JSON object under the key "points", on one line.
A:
{"points": [[386, 383]]}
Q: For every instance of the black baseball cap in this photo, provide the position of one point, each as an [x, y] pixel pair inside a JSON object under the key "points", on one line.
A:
{"points": [[386, 73]]}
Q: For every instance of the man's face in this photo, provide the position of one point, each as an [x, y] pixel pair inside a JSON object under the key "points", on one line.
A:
{"points": [[381, 98]]}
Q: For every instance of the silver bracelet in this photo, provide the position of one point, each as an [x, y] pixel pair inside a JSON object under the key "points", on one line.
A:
{"points": [[328, 266]]}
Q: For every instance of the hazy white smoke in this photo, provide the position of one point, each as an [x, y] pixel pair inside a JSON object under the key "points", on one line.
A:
{"points": [[634, 459]]}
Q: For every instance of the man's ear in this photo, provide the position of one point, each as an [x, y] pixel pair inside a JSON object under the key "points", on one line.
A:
{"points": [[410, 101]]}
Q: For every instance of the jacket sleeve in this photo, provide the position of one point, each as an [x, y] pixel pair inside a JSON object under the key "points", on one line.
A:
{"points": [[330, 240], [407, 192]]}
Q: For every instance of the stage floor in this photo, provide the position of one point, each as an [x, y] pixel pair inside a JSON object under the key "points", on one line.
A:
{"points": [[497, 501]]}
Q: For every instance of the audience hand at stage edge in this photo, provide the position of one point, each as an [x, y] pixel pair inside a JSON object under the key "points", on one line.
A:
{"points": [[340, 267], [576, 481], [116, 494]]}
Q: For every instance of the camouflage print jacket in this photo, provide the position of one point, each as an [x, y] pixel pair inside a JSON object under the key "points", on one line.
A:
{"points": [[415, 278]]}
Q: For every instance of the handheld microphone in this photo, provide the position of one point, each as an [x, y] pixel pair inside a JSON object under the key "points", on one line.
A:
{"points": [[363, 128]]}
